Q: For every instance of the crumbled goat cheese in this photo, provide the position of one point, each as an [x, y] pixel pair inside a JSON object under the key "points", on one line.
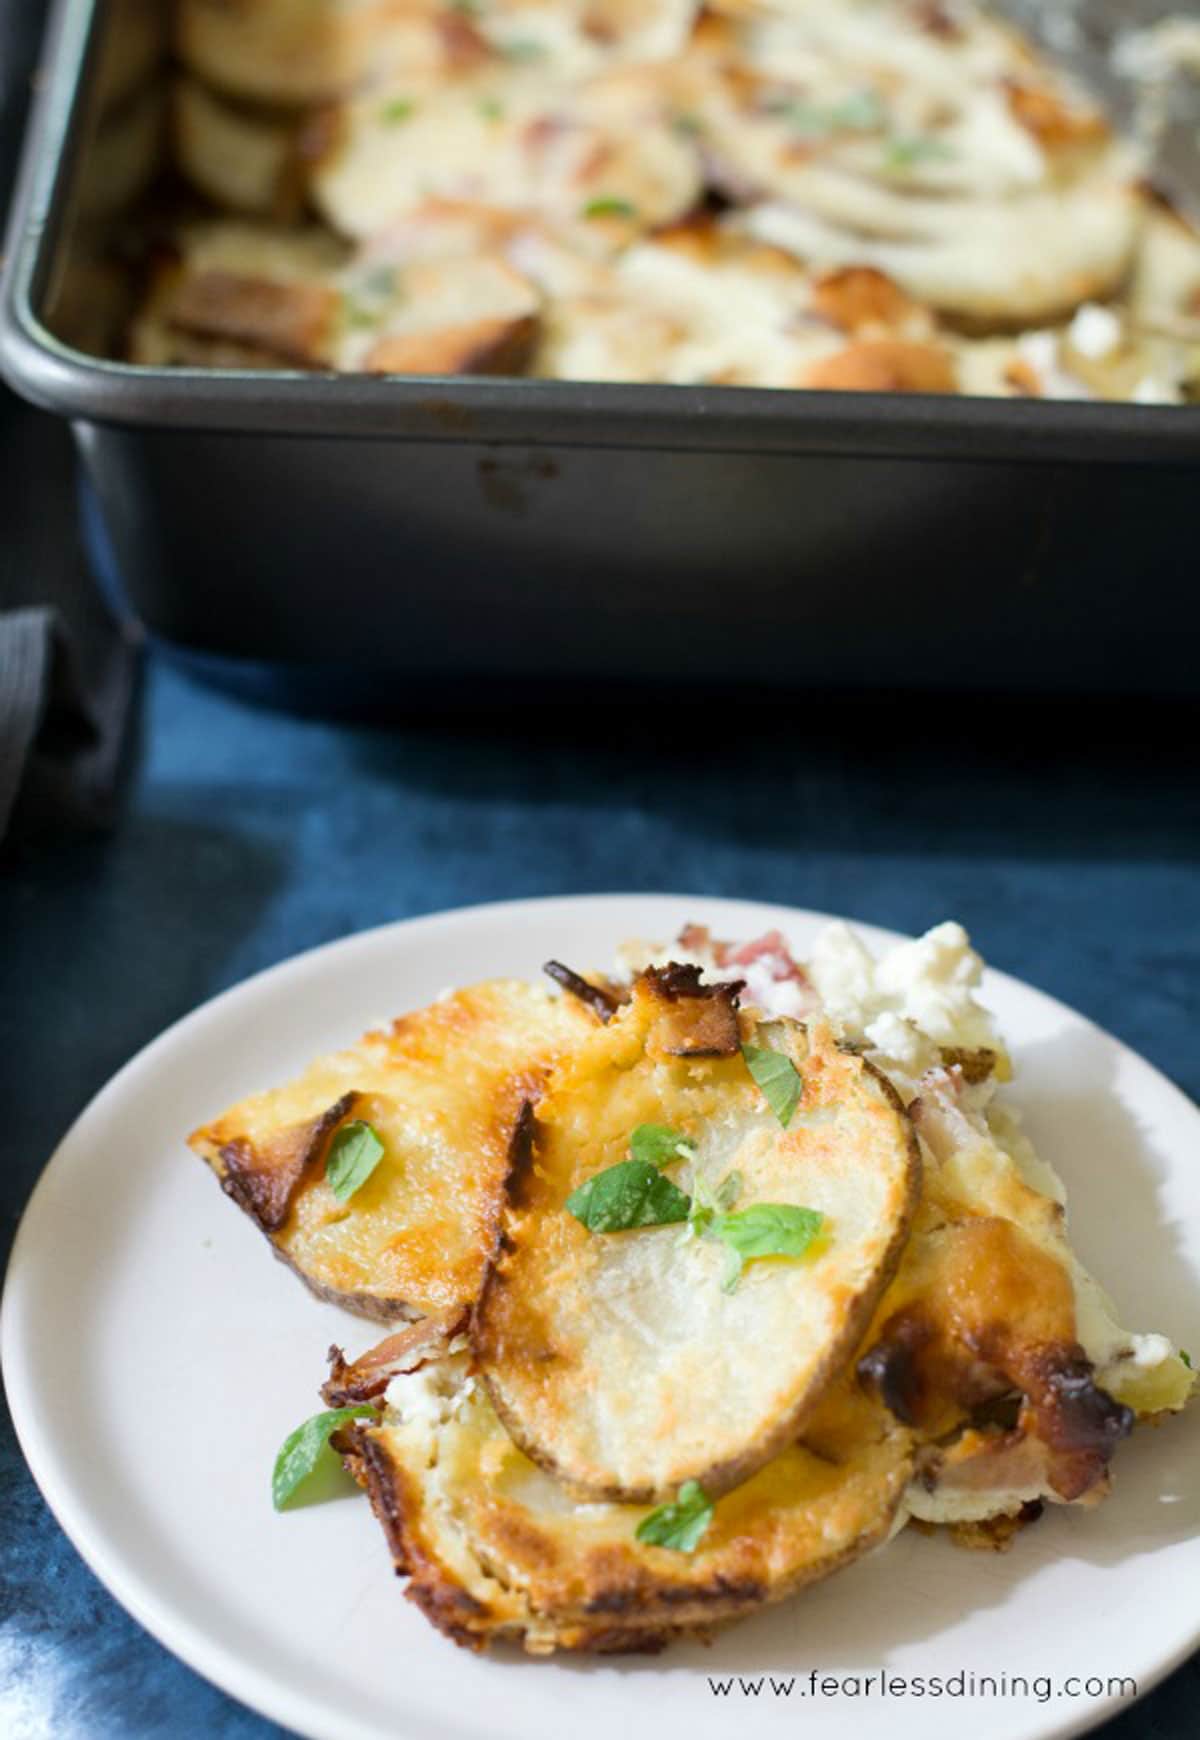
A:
{"points": [[1150, 391], [928, 984], [1095, 332]]}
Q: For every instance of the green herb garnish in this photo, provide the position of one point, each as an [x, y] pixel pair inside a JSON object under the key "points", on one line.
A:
{"points": [[707, 1204], [303, 1450], [609, 205], [1186, 1357], [921, 148], [766, 1229], [659, 1145], [681, 1525], [630, 1194], [397, 110], [380, 281], [356, 314], [689, 125], [522, 48], [858, 113], [491, 108], [354, 1154], [778, 1079]]}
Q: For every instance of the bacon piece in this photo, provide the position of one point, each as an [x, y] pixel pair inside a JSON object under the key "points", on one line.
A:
{"points": [[1080, 1423], [366, 1378], [604, 1002], [936, 20], [698, 1020], [464, 47], [771, 949]]}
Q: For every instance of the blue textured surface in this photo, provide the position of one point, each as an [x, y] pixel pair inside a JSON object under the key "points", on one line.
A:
{"points": [[1066, 839]]}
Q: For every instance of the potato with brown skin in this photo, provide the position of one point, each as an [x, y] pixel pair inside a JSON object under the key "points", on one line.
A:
{"points": [[443, 1089], [494, 1549], [618, 1360]]}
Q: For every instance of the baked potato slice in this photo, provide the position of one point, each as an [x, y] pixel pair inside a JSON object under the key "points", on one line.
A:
{"points": [[628, 1362], [243, 160], [442, 1089], [495, 1549]]}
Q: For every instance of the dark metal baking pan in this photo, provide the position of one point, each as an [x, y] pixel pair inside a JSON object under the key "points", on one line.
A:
{"points": [[472, 529]]}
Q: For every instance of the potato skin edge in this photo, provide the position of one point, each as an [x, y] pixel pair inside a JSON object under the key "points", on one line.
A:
{"points": [[720, 1477]]}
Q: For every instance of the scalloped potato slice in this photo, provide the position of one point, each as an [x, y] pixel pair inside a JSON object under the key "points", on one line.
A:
{"points": [[617, 1360], [602, 154], [443, 1089], [495, 1549]]}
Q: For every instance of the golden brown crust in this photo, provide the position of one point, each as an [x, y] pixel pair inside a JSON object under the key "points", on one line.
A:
{"points": [[264, 1180], [488, 346], [861, 296], [443, 1088], [885, 365], [554, 1358], [495, 1554], [1054, 122], [293, 321]]}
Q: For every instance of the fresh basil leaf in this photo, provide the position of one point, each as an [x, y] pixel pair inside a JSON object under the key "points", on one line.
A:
{"points": [[808, 119], [353, 1155], [609, 205], [355, 314], [858, 113], [766, 1229], [1186, 1357], [777, 1077], [681, 1525], [397, 110], [303, 1449], [734, 1264], [904, 153], [522, 48], [729, 1190], [658, 1145], [630, 1194]]}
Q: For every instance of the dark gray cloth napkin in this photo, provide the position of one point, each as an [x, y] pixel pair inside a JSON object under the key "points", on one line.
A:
{"points": [[67, 665]]}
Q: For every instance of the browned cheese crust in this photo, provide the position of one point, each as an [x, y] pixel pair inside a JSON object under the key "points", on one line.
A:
{"points": [[493, 1549], [618, 1361], [443, 1089]]}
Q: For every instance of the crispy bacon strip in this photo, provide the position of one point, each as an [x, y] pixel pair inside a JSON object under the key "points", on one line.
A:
{"points": [[699, 1020], [366, 1378], [605, 1003]]}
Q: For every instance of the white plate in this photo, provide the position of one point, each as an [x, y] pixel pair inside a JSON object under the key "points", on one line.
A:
{"points": [[155, 1357]]}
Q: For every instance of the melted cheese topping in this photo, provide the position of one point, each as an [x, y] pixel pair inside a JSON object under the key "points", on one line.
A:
{"points": [[442, 1088]]}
